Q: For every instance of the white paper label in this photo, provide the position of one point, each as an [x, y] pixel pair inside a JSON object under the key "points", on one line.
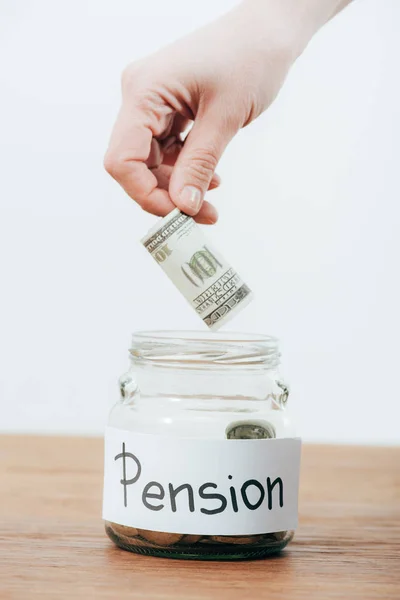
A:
{"points": [[198, 486]]}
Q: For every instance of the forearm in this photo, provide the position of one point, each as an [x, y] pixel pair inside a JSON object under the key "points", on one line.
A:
{"points": [[296, 20], [222, 76], [340, 6]]}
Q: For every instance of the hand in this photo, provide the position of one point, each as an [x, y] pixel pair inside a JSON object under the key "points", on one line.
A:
{"points": [[220, 78]]}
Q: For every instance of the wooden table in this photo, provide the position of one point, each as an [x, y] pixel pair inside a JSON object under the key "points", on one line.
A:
{"points": [[53, 543]]}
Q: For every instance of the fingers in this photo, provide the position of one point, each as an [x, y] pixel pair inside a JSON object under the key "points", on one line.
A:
{"points": [[163, 174], [215, 181], [134, 160], [207, 215], [131, 146], [196, 163]]}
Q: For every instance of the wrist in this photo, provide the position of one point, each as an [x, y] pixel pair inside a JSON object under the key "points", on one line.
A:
{"points": [[293, 22]]}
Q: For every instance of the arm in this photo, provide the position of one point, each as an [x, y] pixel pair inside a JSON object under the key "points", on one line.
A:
{"points": [[219, 78]]}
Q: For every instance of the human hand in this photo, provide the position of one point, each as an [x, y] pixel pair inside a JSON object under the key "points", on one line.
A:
{"points": [[220, 78]]}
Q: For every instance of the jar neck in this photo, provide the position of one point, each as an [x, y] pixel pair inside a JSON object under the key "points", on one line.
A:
{"points": [[197, 350], [185, 364], [175, 382]]}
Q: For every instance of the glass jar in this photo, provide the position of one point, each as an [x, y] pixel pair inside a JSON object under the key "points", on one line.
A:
{"points": [[201, 459]]}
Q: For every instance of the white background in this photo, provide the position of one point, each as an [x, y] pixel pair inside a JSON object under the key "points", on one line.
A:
{"points": [[309, 215]]}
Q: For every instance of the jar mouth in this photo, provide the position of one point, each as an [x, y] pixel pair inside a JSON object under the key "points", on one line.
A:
{"points": [[207, 336], [199, 349]]}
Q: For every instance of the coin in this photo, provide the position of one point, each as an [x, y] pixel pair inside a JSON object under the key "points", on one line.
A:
{"points": [[247, 430], [124, 530], [236, 539], [190, 539], [280, 535], [159, 538]]}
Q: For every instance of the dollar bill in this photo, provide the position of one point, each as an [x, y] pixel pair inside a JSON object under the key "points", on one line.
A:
{"points": [[203, 276]]}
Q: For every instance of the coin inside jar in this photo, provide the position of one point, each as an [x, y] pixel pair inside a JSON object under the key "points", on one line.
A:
{"points": [[124, 530], [236, 539], [247, 430], [159, 538], [190, 539], [280, 535]]}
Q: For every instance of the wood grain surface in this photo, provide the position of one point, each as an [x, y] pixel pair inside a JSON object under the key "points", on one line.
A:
{"points": [[53, 543]]}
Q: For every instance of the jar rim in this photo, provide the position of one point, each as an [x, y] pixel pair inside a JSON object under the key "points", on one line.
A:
{"points": [[165, 335], [202, 349]]}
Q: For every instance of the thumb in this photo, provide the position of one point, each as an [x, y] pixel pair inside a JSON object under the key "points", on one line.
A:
{"points": [[198, 159]]}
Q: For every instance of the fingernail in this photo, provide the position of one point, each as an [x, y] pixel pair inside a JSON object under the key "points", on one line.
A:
{"points": [[191, 199]]}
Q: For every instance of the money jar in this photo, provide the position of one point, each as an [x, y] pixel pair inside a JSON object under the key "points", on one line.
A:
{"points": [[201, 456]]}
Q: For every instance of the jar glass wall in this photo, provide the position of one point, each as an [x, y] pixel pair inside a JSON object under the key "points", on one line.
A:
{"points": [[204, 387]]}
